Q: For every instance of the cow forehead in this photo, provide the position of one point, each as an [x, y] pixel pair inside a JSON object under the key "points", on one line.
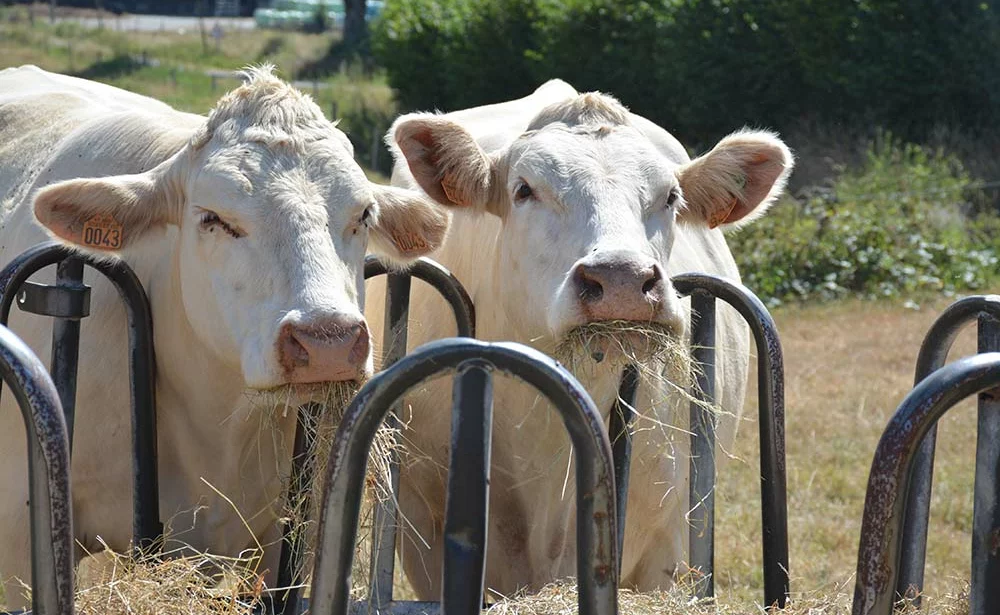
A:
{"points": [[248, 175], [585, 158]]}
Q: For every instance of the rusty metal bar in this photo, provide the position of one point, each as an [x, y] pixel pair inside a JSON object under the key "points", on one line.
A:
{"points": [[890, 479], [142, 367], [702, 463], [932, 356], [597, 549], [771, 423], [50, 504]]}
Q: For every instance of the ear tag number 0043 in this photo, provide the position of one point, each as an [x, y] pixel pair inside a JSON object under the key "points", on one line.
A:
{"points": [[102, 231]]}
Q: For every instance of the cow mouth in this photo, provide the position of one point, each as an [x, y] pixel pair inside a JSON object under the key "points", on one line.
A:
{"points": [[328, 394], [657, 349]]}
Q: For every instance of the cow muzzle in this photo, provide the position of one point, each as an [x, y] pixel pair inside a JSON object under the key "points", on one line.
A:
{"points": [[619, 285], [333, 348]]}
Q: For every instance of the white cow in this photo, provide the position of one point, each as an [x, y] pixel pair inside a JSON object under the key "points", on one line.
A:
{"points": [[570, 210], [248, 229]]}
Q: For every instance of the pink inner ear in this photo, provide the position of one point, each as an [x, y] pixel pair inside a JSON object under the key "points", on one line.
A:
{"points": [[420, 149], [761, 173]]}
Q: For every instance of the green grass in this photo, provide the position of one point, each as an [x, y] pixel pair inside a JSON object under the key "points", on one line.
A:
{"points": [[174, 66]]}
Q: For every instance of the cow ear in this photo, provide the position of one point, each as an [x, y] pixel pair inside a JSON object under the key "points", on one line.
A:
{"points": [[407, 225], [445, 161], [108, 214], [737, 181]]}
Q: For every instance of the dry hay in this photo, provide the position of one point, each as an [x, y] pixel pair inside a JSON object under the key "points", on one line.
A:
{"points": [[561, 599]]}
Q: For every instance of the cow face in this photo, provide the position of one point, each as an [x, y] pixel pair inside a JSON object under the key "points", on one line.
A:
{"points": [[274, 218], [590, 208]]}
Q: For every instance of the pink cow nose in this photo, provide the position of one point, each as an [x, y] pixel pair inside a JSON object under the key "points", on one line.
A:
{"points": [[324, 350], [619, 285]]}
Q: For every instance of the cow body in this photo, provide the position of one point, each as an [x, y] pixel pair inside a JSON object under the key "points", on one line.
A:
{"points": [[259, 245], [518, 239]]}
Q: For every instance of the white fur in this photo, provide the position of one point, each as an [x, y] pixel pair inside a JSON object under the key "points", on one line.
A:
{"points": [[601, 178], [269, 163]]}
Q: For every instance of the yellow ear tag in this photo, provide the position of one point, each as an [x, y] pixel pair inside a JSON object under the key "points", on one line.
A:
{"points": [[102, 231], [719, 217], [409, 243], [450, 189]]}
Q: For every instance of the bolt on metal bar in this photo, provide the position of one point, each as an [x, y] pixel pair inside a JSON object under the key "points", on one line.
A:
{"points": [[984, 592], [597, 549], [620, 430], [142, 369], [48, 476], [702, 425], [468, 495], [932, 356], [891, 476], [771, 423]]}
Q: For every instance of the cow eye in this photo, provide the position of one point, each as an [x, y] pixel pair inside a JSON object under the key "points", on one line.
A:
{"points": [[366, 216], [523, 192], [672, 198], [211, 221]]}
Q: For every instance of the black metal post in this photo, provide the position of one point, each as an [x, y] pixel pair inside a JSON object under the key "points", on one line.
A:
{"points": [[620, 430], [597, 549], [286, 599], [933, 354], [891, 476], [48, 476], [984, 593], [66, 343], [467, 502], [702, 464], [771, 423], [383, 562]]}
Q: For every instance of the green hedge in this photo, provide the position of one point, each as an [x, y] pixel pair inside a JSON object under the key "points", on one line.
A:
{"points": [[701, 67]]}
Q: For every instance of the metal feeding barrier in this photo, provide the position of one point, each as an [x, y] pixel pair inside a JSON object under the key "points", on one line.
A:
{"points": [[897, 506], [50, 506], [467, 489], [704, 289], [68, 301], [892, 476], [397, 309]]}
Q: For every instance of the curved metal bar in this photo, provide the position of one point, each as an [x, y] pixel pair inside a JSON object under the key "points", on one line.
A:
{"points": [[597, 549], [142, 369], [443, 281], [891, 474], [771, 402], [933, 354], [48, 476], [620, 432]]}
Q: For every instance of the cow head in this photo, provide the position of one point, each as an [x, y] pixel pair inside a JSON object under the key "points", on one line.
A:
{"points": [[273, 218], [589, 207]]}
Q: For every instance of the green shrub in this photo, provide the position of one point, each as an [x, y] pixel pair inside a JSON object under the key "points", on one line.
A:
{"points": [[899, 225], [703, 67]]}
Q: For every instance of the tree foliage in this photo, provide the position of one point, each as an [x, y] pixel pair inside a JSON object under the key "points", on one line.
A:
{"points": [[701, 67]]}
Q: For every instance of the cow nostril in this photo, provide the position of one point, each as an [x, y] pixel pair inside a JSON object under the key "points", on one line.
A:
{"points": [[654, 280], [591, 290], [295, 352]]}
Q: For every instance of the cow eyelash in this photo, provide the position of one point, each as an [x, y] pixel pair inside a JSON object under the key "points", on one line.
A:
{"points": [[523, 191], [210, 220], [366, 218]]}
